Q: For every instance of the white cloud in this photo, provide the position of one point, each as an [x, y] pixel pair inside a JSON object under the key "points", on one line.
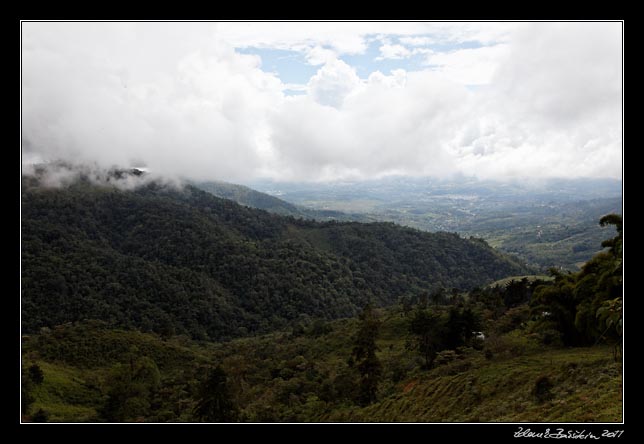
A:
{"points": [[388, 51], [398, 52], [179, 98], [319, 56], [564, 73], [469, 66], [333, 82], [387, 124], [398, 78], [296, 87], [417, 41], [556, 99], [199, 114]]}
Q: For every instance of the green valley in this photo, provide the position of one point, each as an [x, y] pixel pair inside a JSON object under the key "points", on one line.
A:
{"points": [[166, 304]]}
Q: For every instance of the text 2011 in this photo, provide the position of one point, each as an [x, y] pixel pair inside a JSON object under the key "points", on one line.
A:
{"points": [[612, 434]]}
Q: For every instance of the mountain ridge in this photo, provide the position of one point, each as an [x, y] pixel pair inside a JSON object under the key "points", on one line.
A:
{"points": [[159, 259], [250, 197]]}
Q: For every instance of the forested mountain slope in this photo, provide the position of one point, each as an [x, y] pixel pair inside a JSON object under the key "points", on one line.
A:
{"points": [[250, 198], [263, 201], [161, 259]]}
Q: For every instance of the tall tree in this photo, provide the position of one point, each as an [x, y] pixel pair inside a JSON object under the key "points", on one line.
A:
{"points": [[364, 355], [426, 328], [130, 389], [214, 403], [461, 323], [36, 374]]}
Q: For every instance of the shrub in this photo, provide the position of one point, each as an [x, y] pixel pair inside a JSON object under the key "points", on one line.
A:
{"points": [[513, 318], [445, 357], [542, 389], [319, 328], [546, 332], [41, 416]]}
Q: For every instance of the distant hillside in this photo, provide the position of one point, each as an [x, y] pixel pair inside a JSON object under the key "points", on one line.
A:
{"points": [[549, 223], [255, 199], [250, 198], [186, 262]]}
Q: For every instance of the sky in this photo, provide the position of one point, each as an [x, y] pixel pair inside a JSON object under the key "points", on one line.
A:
{"points": [[326, 101]]}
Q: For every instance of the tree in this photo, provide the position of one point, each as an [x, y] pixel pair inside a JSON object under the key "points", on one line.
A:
{"points": [[31, 377], [166, 328], [364, 356], [214, 403], [615, 244], [41, 416], [461, 323], [555, 307], [610, 313], [426, 328], [27, 396], [36, 374], [130, 388], [439, 297], [405, 305], [516, 293]]}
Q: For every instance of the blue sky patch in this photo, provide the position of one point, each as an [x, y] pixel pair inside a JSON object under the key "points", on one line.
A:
{"points": [[292, 68]]}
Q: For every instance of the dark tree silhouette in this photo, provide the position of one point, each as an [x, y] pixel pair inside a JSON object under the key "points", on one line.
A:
{"points": [[214, 403], [36, 374], [364, 356], [426, 328]]}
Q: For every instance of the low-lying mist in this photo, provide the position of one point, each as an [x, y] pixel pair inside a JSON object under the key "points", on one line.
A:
{"points": [[60, 174]]}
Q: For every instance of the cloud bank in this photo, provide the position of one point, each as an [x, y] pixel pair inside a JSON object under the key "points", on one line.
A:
{"points": [[528, 100]]}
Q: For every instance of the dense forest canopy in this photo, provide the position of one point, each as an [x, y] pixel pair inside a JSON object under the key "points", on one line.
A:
{"points": [[170, 260]]}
